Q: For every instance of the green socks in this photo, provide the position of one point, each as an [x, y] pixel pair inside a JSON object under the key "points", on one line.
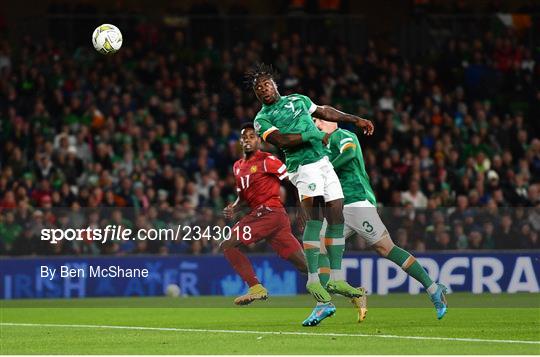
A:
{"points": [[312, 246], [335, 245], [409, 264], [324, 269]]}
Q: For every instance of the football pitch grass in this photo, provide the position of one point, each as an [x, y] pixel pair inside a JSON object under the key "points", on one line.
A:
{"points": [[396, 324]]}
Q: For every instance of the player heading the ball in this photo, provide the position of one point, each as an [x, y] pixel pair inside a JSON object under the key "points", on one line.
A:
{"points": [[286, 122]]}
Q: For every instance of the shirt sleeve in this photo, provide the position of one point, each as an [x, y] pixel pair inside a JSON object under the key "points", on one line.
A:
{"points": [[273, 165], [235, 173], [345, 142], [308, 103], [263, 126]]}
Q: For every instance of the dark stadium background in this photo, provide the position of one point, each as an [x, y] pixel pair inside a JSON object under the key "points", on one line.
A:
{"points": [[452, 87]]}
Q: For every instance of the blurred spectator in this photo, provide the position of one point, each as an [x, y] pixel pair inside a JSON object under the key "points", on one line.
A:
{"points": [[414, 196]]}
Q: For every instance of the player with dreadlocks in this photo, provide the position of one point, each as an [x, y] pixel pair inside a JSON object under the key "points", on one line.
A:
{"points": [[286, 122]]}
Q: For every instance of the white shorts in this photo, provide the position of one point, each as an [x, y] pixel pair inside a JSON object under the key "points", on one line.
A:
{"points": [[317, 179], [360, 217]]}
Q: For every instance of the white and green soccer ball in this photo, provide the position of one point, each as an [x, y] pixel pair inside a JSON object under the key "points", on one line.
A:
{"points": [[172, 290], [107, 39]]}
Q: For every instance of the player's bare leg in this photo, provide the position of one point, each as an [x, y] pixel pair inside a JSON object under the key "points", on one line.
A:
{"points": [[241, 264], [311, 242], [335, 245]]}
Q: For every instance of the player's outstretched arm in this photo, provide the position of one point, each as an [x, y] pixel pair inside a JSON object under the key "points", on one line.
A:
{"points": [[329, 113], [284, 141]]}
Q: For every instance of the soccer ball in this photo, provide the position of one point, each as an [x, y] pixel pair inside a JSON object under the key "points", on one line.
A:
{"points": [[107, 39], [172, 290]]}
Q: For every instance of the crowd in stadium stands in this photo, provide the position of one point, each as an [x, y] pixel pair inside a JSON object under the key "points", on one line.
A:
{"points": [[147, 138]]}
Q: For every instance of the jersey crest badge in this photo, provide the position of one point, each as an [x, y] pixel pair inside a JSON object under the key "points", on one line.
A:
{"points": [[253, 169], [312, 186]]}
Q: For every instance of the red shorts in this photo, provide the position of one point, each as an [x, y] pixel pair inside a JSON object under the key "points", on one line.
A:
{"points": [[270, 223]]}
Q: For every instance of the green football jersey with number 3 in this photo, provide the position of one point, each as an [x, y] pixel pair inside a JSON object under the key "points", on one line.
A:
{"points": [[291, 114], [352, 176]]}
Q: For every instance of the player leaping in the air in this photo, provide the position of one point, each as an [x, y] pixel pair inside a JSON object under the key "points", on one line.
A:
{"points": [[258, 177], [361, 215], [285, 121]]}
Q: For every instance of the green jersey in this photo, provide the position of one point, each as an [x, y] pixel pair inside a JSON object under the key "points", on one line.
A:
{"points": [[352, 176], [291, 114]]}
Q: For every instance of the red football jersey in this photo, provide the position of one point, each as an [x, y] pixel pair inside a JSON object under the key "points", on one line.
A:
{"points": [[257, 179]]}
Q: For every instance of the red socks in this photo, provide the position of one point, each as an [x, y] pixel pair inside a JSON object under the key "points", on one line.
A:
{"points": [[241, 265]]}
